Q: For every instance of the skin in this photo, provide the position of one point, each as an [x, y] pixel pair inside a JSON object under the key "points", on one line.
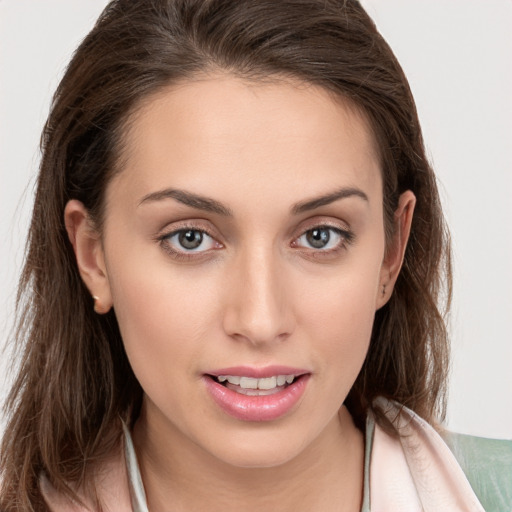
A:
{"points": [[256, 293]]}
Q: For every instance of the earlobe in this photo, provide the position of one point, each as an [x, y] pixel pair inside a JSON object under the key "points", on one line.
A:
{"points": [[90, 259], [395, 252]]}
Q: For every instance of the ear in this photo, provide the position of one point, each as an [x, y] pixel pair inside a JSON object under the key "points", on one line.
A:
{"points": [[395, 252], [90, 258]]}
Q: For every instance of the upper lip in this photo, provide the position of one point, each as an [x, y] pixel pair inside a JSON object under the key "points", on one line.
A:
{"points": [[258, 373]]}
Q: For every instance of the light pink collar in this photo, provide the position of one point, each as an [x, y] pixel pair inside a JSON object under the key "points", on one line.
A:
{"points": [[415, 472]]}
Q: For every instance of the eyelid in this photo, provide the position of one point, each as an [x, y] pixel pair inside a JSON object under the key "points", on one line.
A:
{"points": [[319, 222], [183, 225]]}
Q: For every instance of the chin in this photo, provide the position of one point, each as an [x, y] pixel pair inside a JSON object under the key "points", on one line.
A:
{"points": [[260, 451]]}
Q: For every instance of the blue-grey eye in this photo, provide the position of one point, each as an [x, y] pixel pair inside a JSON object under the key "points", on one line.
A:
{"points": [[322, 237], [190, 240], [318, 237]]}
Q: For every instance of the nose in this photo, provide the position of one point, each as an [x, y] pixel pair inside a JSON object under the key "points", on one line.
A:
{"points": [[258, 305]]}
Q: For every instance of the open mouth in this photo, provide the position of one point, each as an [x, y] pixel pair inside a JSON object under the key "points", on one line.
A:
{"points": [[253, 386], [257, 394]]}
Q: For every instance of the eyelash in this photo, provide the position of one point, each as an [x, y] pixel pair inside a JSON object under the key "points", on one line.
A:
{"points": [[346, 239]]}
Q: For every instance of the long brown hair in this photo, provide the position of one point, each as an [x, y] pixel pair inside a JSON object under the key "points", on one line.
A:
{"points": [[74, 382]]}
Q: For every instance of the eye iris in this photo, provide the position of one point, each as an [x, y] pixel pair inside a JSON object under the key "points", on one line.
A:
{"points": [[190, 239], [318, 237]]}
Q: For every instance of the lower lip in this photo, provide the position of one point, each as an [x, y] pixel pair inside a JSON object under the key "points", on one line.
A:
{"points": [[256, 408]]}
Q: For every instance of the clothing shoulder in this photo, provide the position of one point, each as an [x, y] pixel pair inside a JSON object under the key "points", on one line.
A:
{"points": [[447, 472], [487, 464]]}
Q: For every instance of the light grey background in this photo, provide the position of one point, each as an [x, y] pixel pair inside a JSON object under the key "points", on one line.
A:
{"points": [[457, 55]]}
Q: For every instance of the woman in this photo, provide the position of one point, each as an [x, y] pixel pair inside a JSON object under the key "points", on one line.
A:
{"points": [[234, 267]]}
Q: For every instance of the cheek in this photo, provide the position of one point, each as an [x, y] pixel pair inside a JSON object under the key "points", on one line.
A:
{"points": [[339, 318], [163, 317], [344, 317]]}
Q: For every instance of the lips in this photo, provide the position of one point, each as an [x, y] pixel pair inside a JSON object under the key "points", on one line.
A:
{"points": [[257, 394]]}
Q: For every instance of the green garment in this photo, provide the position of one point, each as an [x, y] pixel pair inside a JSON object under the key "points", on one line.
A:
{"points": [[487, 464]]}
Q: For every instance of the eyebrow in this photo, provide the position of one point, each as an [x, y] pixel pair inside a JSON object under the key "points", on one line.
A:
{"points": [[211, 205], [316, 202], [188, 198]]}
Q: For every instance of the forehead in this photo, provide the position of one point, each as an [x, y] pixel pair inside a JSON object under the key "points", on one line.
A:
{"points": [[217, 133]]}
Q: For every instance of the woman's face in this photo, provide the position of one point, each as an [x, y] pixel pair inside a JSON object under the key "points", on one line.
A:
{"points": [[243, 247]]}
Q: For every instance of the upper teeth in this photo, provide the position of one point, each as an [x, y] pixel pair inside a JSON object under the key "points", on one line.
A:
{"points": [[251, 383]]}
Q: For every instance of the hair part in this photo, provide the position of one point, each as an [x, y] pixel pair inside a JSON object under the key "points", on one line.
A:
{"points": [[74, 384]]}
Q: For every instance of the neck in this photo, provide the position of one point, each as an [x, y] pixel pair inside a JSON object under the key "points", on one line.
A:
{"points": [[327, 475]]}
